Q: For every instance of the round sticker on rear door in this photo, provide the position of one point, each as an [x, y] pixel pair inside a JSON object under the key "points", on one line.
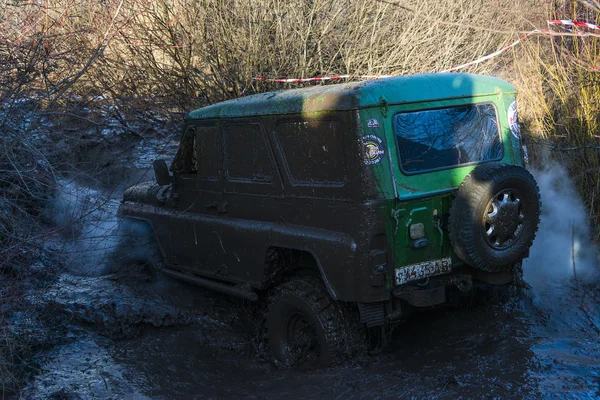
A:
{"points": [[513, 120], [373, 149]]}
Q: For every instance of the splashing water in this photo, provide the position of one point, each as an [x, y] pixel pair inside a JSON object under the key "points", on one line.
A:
{"points": [[563, 248], [563, 272], [88, 227]]}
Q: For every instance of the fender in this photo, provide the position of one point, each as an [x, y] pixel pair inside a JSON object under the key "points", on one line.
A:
{"points": [[334, 252]]}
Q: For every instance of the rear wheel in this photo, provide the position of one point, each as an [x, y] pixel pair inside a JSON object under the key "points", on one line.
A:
{"points": [[305, 327]]}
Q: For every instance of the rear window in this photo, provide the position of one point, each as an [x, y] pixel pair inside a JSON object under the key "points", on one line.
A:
{"points": [[447, 137]]}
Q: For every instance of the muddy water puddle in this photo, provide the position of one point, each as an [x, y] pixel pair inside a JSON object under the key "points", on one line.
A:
{"points": [[481, 345], [566, 328]]}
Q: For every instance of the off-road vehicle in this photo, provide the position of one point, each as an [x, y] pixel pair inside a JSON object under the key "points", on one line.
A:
{"points": [[341, 203]]}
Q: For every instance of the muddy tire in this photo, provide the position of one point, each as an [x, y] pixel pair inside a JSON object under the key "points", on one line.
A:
{"points": [[305, 327], [495, 216]]}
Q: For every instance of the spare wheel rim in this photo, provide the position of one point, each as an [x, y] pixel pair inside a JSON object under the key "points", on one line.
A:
{"points": [[503, 219]]}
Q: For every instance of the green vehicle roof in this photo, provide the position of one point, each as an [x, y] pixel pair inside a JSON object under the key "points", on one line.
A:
{"points": [[357, 95]]}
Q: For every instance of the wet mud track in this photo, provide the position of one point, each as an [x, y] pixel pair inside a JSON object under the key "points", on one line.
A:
{"points": [[128, 337], [165, 339]]}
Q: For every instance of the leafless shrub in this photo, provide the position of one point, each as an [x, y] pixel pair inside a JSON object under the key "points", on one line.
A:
{"points": [[200, 52], [43, 54]]}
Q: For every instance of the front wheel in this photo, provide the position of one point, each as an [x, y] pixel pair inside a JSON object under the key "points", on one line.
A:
{"points": [[306, 327], [137, 250]]}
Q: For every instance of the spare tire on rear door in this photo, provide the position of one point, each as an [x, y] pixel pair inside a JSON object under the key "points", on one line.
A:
{"points": [[495, 216]]}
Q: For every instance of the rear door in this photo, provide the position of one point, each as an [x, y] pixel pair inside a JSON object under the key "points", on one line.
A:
{"points": [[433, 147]]}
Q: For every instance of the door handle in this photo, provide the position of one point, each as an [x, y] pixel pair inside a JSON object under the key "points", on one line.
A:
{"points": [[220, 206]]}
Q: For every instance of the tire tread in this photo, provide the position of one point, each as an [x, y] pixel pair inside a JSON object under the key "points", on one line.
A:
{"points": [[474, 188]]}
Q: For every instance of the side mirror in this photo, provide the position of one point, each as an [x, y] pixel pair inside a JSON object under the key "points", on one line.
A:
{"points": [[161, 171]]}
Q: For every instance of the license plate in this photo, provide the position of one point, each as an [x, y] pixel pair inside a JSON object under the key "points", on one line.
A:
{"points": [[423, 270]]}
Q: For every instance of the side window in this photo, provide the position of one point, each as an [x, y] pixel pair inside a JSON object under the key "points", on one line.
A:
{"points": [[313, 151], [185, 161], [208, 150], [247, 157]]}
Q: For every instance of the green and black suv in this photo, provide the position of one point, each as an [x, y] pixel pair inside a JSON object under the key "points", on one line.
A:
{"points": [[343, 205]]}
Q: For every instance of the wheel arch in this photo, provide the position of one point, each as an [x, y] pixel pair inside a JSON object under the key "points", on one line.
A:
{"points": [[127, 222], [288, 261]]}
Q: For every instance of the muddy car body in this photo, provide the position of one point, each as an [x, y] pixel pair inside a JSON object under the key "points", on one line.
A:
{"points": [[381, 193]]}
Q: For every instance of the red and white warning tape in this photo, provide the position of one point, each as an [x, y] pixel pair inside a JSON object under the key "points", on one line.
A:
{"points": [[568, 22], [557, 22], [322, 78], [494, 54]]}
